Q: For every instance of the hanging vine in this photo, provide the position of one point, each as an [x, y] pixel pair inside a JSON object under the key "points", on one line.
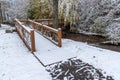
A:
{"points": [[68, 11]]}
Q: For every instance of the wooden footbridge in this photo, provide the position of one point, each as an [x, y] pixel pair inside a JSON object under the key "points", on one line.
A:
{"points": [[39, 37], [26, 28]]}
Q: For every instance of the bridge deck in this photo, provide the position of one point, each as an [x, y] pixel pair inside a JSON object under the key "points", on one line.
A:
{"points": [[49, 53]]}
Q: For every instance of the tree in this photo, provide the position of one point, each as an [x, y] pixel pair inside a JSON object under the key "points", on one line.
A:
{"points": [[0, 15], [40, 9], [68, 11], [14, 8], [55, 13]]}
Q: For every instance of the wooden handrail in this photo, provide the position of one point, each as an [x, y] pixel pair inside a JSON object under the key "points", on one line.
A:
{"points": [[42, 25], [43, 19], [25, 28], [26, 34], [47, 22], [58, 32]]}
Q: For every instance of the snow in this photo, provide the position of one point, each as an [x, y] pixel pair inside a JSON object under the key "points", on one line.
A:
{"points": [[48, 52], [113, 32], [103, 59], [17, 63]]}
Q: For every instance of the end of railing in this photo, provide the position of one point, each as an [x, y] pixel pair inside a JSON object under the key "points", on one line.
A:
{"points": [[32, 41], [59, 37]]}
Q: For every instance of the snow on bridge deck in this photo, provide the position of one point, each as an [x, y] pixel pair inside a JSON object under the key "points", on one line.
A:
{"points": [[49, 53]]}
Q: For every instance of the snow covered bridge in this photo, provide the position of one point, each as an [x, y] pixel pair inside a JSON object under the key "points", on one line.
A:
{"points": [[16, 59], [43, 41]]}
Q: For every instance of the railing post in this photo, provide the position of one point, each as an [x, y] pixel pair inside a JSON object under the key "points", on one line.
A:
{"points": [[48, 23], [23, 34], [59, 37], [27, 22], [16, 26], [33, 25], [42, 30], [32, 41]]}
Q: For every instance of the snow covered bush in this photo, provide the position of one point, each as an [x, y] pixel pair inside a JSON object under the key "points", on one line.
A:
{"points": [[91, 10], [100, 25], [14, 8], [117, 10], [113, 32]]}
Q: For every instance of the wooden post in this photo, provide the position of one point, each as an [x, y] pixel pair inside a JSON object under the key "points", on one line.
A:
{"points": [[32, 41], [42, 30], [16, 26], [48, 22], [27, 22], [59, 37], [33, 25], [23, 34]]}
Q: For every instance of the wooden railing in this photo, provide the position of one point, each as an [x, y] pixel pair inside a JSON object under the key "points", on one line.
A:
{"points": [[49, 22], [54, 35], [26, 34]]}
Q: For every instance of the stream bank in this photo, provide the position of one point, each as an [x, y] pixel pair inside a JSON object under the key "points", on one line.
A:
{"points": [[91, 39]]}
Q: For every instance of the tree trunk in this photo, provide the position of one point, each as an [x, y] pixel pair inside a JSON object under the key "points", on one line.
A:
{"points": [[55, 14], [0, 15]]}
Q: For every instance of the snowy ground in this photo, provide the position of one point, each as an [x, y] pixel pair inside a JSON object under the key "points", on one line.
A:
{"points": [[103, 59], [16, 62], [15, 59]]}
